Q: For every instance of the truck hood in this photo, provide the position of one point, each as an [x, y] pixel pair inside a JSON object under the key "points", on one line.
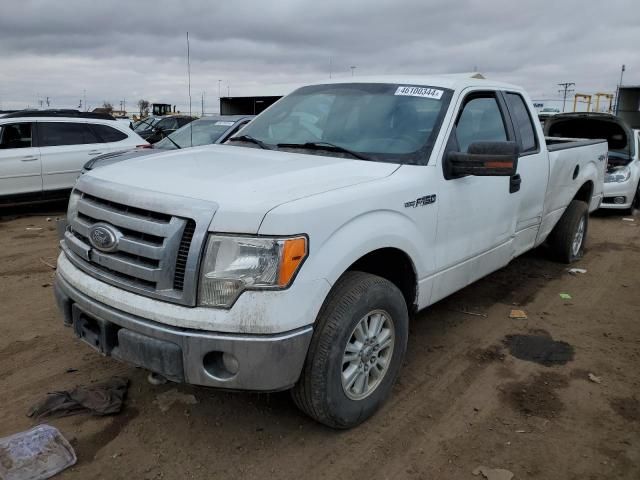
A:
{"points": [[244, 182]]}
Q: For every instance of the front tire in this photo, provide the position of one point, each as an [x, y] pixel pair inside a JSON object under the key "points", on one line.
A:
{"points": [[635, 203], [356, 352], [570, 233]]}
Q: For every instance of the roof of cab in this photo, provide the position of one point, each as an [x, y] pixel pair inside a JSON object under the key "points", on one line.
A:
{"points": [[455, 81]]}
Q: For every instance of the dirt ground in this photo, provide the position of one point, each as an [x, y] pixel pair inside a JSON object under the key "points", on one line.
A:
{"points": [[474, 389]]}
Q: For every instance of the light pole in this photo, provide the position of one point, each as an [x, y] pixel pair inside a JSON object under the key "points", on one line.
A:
{"points": [[618, 89]]}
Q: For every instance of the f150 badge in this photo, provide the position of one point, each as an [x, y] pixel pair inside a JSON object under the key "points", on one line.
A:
{"points": [[421, 202]]}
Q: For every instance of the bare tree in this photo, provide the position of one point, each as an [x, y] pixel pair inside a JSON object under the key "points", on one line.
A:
{"points": [[143, 105], [107, 106]]}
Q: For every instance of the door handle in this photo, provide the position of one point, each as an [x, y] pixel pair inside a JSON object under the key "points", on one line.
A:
{"points": [[94, 152], [514, 183], [28, 158]]}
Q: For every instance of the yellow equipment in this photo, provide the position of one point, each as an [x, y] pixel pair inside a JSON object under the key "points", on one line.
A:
{"points": [[608, 96], [587, 100]]}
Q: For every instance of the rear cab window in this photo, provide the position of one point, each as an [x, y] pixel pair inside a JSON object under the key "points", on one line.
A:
{"points": [[523, 123], [16, 135], [51, 134]]}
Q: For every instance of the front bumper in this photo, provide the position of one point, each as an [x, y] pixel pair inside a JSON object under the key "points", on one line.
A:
{"points": [[222, 360], [623, 189]]}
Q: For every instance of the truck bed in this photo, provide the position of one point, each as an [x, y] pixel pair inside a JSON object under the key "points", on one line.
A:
{"points": [[561, 143]]}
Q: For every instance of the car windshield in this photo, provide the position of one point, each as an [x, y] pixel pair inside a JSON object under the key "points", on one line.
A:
{"points": [[382, 122], [198, 132], [145, 124]]}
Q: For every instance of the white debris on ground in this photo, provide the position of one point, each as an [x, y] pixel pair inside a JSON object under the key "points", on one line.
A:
{"points": [[165, 400], [493, 473]]}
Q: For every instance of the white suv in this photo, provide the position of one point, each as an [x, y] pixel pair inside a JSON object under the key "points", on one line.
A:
{"points": [[42, 152]]}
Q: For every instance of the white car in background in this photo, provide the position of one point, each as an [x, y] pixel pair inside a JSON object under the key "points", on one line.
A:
{"points": [[622, 180], [43, 152]]}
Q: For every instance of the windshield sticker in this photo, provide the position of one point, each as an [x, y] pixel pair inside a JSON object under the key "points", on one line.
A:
{"points": [[420, 92], [225, 124]]}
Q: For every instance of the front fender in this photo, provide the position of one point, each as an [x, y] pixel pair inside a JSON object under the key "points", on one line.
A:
{"points": [[361, 235]]}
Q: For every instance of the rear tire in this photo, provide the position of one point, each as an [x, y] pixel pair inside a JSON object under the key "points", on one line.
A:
{"points": [[334, 387], [569, 235]]}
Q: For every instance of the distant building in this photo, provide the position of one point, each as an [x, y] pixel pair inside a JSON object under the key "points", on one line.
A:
{"points": [[255, 100], [628, 107]]}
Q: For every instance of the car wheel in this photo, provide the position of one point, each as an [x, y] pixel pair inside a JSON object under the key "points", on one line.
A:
{"points": [[635, 203], [356, 352], [569, 235]]}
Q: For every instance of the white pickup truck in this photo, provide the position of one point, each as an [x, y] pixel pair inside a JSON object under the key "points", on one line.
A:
{"points": [[294, 255]]}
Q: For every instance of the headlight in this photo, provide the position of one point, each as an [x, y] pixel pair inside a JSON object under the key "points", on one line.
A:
{"points": [[234, 264], [618, 175], [72, 209]]}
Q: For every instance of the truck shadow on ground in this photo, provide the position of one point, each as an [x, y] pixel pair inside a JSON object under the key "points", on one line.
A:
{"points": [[275, 414]]}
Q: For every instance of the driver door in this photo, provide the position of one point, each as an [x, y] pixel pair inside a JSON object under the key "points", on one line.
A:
{"points": [[476, 214]]}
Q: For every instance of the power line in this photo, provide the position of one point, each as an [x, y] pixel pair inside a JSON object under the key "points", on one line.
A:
{"points": [[565, 89]]}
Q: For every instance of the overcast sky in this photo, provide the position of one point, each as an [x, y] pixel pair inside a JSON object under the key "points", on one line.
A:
{"points": [[130, 49]]}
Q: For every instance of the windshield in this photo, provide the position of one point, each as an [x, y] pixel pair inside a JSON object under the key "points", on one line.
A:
{"points": [[146, 123], [198, 132], [383, 122]]}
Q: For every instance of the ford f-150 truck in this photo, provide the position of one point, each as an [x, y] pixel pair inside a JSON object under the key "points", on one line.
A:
{"points": [[293, 256]]}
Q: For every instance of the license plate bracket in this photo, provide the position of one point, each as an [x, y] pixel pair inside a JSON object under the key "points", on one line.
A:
{"points": [[97, 333]]}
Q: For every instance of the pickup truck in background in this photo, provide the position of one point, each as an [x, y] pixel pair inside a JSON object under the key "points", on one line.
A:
{"points": [[293, 256], [622, 180]]}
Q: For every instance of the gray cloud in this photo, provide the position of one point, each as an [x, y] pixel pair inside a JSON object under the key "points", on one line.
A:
{"points": [[133, 49]]}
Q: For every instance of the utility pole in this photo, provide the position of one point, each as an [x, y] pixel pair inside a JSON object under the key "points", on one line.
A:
{"points": [[618, 89], [202, 113], [48, 102], [353, 69], [565, 89]]}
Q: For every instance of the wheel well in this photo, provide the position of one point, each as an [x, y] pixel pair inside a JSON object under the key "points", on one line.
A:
{"points": [[395, 266], [585, 192]]}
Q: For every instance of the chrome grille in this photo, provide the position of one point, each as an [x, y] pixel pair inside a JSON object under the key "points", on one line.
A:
{"points": [[153, 252], [183, 255]]}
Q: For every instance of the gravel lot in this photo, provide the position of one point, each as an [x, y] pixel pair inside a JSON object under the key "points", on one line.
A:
{"points": [[463, 398]]}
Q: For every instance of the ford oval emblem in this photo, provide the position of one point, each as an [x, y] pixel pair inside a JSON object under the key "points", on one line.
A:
{"points": [[104, 237]]}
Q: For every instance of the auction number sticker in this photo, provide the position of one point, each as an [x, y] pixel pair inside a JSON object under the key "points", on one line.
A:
{"points": [[420, 92]]}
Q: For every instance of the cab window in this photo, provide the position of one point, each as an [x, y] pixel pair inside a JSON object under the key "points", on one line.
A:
{"points": [[523, 123], [480, 120]]}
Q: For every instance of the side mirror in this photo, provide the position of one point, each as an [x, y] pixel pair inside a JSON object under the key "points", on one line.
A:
{"points": [[493, 159]]}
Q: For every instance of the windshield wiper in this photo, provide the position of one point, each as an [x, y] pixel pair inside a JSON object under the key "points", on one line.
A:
{"points": [[323, 146], [250, 139], [161, 132]]}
